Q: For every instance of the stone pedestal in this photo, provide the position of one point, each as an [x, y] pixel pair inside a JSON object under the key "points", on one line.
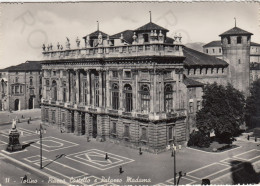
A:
{"points": [[14, 144]]}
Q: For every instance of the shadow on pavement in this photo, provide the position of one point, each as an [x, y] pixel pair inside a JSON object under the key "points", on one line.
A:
{"points": [[57, 157], [244, 173], [27, 145]]}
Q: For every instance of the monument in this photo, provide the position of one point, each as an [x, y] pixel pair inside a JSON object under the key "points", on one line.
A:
{"points": [[14, 144]]}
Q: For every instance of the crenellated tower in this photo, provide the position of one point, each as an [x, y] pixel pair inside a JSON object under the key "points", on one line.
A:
{"points": [[236, 51]]}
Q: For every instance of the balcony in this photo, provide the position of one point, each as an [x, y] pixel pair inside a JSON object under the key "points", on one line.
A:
{"points": [[154, 49]]}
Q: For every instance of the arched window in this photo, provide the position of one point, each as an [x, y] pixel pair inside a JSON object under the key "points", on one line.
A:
{"points": [[168, 98], [128, 98], [115, 96], [145, 98], [54, 91]]}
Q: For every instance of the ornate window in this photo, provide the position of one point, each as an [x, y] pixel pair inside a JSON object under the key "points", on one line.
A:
{"points": [[128, 98], [53, 117], [198, 105], [16, 79], [171, 134], [191, 107], [54, 91], [64, 90], [126, 131], [145, 98], [144, 137], [47, 82], [115, 96], [31, 81], [115, 74], [168, 98], [63, 118], [113, 131]]}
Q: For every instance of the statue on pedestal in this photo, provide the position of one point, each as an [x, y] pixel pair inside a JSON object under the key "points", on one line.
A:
{"points": [[14, 144]]}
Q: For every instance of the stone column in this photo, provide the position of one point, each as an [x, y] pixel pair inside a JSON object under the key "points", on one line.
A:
{"points": [[152, 93], [92, 88], [77, 86], [88, 86], [134, 90], [100, 77], [107, 89], [69, 121], [68, 95], [120, 73]]}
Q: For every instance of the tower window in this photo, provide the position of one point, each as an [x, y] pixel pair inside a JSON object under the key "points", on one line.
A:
{"points": [[207, 51], [219, 50], [239, 61], [213, 50], [239, 40], [145, 37], [229, 41]]}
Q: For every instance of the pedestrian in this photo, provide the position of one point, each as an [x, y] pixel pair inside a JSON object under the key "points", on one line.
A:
{"points": [[28, 121], [120, 170], [22, 116], [25, 178], [248, 137], [106, 157], [36, 131]]}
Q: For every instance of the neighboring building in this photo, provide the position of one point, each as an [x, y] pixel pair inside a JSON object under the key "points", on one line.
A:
{"points": [[213, 48], [243, 51], [137, 87], [20, 86]]}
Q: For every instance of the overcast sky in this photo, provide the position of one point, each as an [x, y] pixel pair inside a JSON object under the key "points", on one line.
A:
{"points": [[25, 27]]}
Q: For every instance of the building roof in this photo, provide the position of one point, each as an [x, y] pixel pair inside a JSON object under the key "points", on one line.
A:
{"points": [[27, 66], [95, 34], [235, 31], [151, 26], [196, 58], [213, 44], [191, 82], [255, 44], [127, 35]]}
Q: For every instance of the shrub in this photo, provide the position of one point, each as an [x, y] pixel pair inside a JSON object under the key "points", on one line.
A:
{"points": [[199, 139]]}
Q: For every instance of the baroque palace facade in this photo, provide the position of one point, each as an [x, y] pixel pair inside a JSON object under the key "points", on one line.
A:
{"points": [[138, 87]]}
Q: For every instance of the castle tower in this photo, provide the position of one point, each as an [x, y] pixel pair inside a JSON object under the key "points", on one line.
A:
{"points": [[236, 48]]}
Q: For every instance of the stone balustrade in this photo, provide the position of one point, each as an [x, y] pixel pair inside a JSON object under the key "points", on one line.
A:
{"points": [[87, 108], [154, 49]]}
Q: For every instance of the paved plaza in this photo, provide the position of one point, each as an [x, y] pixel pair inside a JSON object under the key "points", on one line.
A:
{"points": [[69, 159]]}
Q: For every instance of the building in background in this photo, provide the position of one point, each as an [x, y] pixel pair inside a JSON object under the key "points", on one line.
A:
{"points": [[20, 86], [236, 48], [137, 87]]}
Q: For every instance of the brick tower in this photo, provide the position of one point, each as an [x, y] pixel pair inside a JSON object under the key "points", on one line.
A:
{"points": [[236, 48]]}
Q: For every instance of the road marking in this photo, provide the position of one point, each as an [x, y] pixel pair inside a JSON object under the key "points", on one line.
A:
{"points": [[2, 143], [248, 152], [15, 152], [214, 152], [67, 144], [32, 168], [38, 158], [93, 163]]}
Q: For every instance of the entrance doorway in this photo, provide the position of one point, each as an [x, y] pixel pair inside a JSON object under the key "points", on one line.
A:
{"points": [[31, 103], [16, 104], [94, 133]]}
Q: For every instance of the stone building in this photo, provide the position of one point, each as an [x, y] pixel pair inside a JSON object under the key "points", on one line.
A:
{"points": [[137, 87], [20, 86], [241, 51]]}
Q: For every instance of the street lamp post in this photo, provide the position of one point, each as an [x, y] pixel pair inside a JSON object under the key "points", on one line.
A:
{"points": [[41, 131], [174, 167]]}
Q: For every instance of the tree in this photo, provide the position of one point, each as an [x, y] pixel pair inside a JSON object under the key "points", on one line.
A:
{"points": [[222, 112], [253, 104]]}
